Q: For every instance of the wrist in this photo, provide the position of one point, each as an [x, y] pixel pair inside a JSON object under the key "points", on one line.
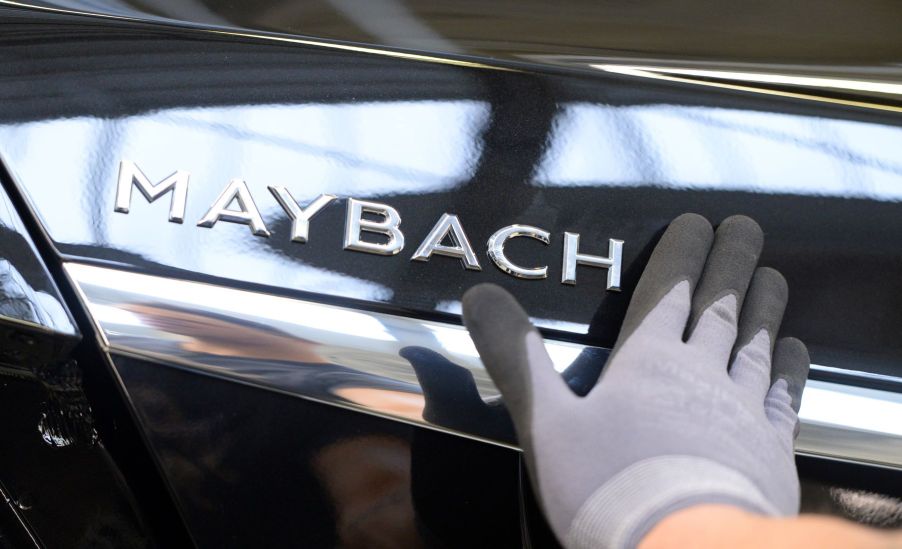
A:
{"points": [[624, 509], [703, 526], [706, 525]]}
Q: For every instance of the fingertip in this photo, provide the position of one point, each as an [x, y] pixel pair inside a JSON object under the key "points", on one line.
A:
{"points": [[791, 363], [687, 240], [729, 269], [471, 296], [477, 296], [744, 227], [743, 220], [692, 225], [739, 238], [487, 304], [517, 363], [794, 354], [774, 281], [497, 324], [678, 257]]}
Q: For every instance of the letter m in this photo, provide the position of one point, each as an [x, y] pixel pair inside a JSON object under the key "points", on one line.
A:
{"points": [[130, 174]]}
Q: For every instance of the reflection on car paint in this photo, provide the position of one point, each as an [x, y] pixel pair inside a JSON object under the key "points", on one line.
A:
{"points": [[418, 371], [708, 148]]}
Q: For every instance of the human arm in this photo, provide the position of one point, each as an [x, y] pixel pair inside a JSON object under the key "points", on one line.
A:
{"points": [[715, 526]]}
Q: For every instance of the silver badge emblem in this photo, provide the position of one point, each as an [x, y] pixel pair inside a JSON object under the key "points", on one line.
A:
{"points": [[447, 228]]}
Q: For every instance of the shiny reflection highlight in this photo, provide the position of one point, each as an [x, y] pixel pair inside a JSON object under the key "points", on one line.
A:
{"points": [[28, 296], [854, 408], [709, 148], [691, 76], [764, 78], [403, 368], [360, 150]]}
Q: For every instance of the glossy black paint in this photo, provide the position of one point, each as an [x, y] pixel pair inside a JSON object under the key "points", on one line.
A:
{"points": [[250, 466], [74, 470], [36, 328], [13, 532], [495, 147], [247, 466], [69, 493], [58, 483], [255, 468]]}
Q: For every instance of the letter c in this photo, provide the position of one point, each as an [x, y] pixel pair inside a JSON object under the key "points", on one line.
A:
{"points": [[496, 250]]}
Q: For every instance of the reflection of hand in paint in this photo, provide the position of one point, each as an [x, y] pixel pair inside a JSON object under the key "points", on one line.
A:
{"points": [[452, 400], [199, 466], [457, 481], [210, 335], [368, 480]]}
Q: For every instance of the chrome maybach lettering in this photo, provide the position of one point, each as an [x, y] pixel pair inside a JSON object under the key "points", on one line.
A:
{"points": [[448, 226], [248, 214], [447, 237], [388, 226], [496, 250], [130, 174]]}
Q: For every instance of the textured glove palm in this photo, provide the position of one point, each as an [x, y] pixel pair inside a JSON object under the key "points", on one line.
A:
{"points": [[696, 403]]}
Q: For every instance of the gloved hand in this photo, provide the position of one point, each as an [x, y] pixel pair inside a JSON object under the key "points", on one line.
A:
{"points": [[696, 404]]}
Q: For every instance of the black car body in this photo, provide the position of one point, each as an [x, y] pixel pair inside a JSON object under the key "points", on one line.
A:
{"points": [[204, 373]]}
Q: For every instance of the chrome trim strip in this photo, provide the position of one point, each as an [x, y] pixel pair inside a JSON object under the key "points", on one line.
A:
{"points": [[851, 423], [353, 359], [862, 376]]}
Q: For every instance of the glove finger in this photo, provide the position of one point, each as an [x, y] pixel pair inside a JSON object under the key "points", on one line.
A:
{"points": [[513, 353], [759, 323], [679, 256], [791, 363], [719, 296], [784, 398]]}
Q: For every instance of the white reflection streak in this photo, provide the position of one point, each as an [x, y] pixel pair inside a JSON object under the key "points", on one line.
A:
{"points": [[362, 149], [456, 307], [455, 340], [561, 325], [450, 306], [759, 77], [562, 354], [260, 307], [350, 149], [707, 148], [25, 149], [852, 408], [116, 316], [839, 421], [270, 308], [394, 147]]}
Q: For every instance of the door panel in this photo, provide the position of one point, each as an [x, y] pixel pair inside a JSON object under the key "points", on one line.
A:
{"points": [[254, 468], [294, 390]]}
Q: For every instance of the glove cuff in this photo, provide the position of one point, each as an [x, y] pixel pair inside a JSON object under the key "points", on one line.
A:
{"points": [[624, 509]]}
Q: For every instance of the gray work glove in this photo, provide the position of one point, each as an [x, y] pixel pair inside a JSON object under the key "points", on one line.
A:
{"points": [[696, 404]]}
